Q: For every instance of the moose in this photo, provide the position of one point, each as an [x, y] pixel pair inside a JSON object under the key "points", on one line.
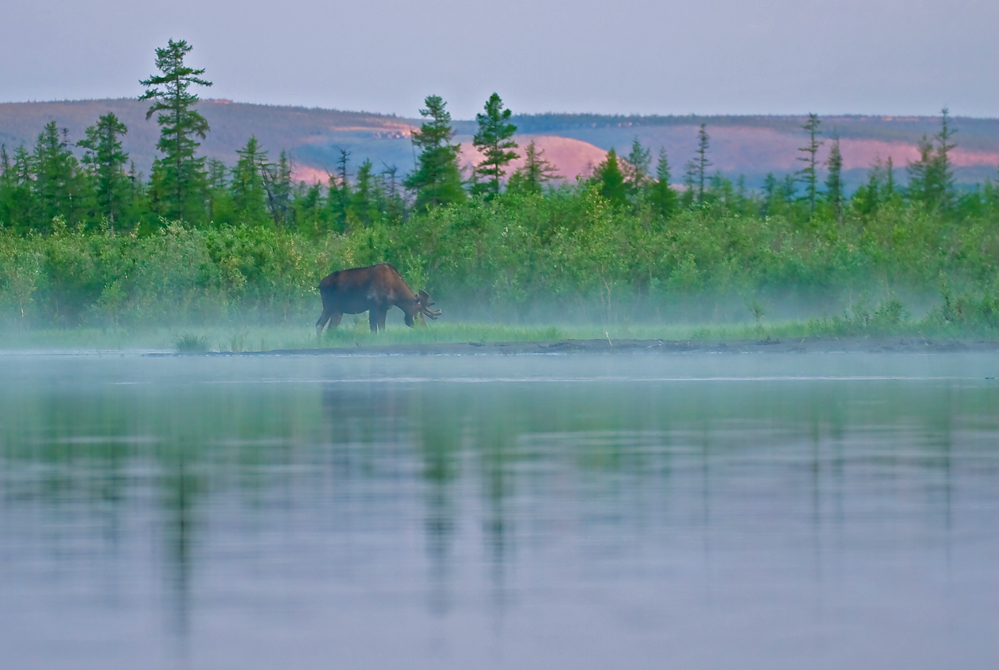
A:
{"points": [[373, 290]]}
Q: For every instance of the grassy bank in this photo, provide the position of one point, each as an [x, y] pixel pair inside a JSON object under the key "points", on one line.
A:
{"points": [[886, 321]]}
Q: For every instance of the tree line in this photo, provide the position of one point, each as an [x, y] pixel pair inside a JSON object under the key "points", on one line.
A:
{"points": [[246, 237], [102, 189]]}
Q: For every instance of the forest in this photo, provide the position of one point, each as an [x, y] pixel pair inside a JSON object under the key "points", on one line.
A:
{"points": [[87, 240]]}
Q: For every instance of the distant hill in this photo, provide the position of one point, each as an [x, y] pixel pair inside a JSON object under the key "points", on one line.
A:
{"points": [[747, 145]]}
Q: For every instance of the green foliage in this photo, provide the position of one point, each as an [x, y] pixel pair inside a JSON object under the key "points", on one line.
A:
{"points": [[971, 311], [663, 198], [620, 246], [807, 175], [178, 177], [637, 168], [280, 191], [494, 140], [534, 174], [834, 182], [701, 163], [931, 178], [437, 177], [17, 209], [610, 180], [364, 203], [190, 343], [568, 253], [59, 186], [106, 160], [248, 193]]}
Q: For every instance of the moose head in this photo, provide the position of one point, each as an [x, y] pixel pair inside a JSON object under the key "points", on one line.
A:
{"points": [[425, 303]]}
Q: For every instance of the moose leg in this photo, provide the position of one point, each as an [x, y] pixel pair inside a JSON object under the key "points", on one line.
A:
{"points": [[328, 318], [321, 323], [376, 318]]}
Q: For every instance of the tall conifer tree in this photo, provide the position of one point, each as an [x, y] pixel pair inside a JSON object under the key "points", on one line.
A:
{"points": [[663, 197], [437, 177], [178, 175], [59, 187], [248, 192], [701, 163], [494, 141], [609, 179], [931, 178], [106, 160], [808, 173], [364, 201], [277, 182], [18, 198], [637, 167], [535, 171], [8, 188], [834, 181]]}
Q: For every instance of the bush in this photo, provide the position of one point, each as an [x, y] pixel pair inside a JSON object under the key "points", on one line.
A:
{"points": [[568, 253]]}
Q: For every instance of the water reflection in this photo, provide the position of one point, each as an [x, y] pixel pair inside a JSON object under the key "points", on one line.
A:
{"points": [[421, 520]]}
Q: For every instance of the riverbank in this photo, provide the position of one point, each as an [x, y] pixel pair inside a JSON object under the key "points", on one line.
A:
{"points": [[608, 345], [353, 337]]}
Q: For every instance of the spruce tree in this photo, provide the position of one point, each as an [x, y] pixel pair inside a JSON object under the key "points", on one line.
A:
{"points": [[106, 160], [834, 181], [59, 186], [921, 188], [940, 173], [534, 173], [21, 198], [663, 197], [771, 189], [8, 188], [637, 167], [364, 202], [395, 206], [687, 199], [788, 189], [178, 176], [221, 209], [338, 195], [493, 139], [437, 177], [609, 180], [808, 174], [247, 184], [309, 214], [890, 179], [342, 162], [701, 163], [867, 198], [277, 183]]}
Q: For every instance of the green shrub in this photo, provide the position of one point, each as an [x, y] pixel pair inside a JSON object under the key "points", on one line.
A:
{"points": [[568, 254], [189, 343]]}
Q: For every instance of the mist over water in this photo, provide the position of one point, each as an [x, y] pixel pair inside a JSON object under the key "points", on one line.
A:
{"points": [[708, 511]]}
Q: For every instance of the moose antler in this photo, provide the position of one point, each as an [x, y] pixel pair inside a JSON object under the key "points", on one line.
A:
{"points": [[426, 303]]}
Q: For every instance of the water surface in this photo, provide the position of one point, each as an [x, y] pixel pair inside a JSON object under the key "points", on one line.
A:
{"points": [[703, 511]]}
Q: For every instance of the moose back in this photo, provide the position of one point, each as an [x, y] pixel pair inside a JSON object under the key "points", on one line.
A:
{"points": [[374, 290]]}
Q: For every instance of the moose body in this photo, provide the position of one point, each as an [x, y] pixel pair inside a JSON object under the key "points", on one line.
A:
{"points": [[373, 290]]}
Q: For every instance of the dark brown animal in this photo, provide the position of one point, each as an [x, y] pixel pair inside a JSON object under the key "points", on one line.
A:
{"points": [[373, 290]]}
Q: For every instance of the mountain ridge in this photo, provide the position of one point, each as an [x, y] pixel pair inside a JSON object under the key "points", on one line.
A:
{"points": [[751, 145]]}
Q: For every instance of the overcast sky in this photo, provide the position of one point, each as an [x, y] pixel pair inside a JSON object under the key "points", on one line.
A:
{"points": [[897, 57]]}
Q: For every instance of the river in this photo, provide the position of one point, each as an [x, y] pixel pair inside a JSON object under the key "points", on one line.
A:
{"points": [[530, 511]]}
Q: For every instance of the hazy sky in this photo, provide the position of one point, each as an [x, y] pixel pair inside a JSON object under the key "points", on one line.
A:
{"points": [[625, 56]]}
